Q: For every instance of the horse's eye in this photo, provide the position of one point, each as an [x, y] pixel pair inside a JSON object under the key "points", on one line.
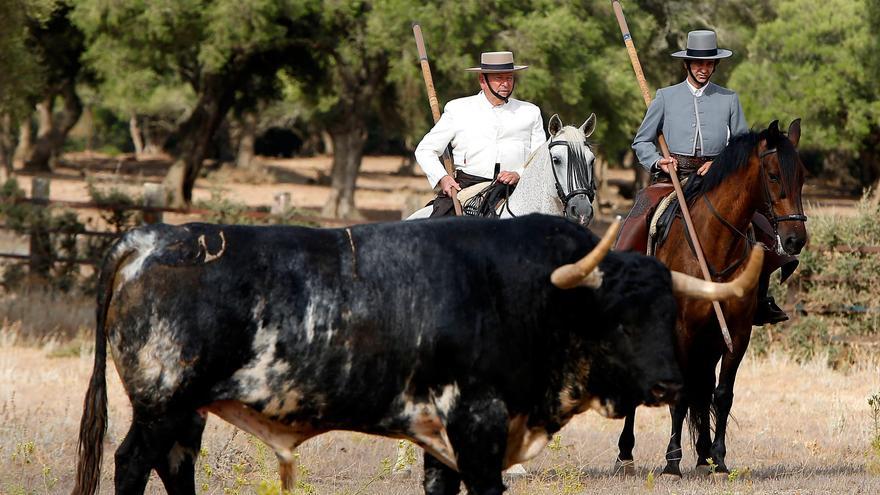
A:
{"points": [[556, 160], [773, 177]]}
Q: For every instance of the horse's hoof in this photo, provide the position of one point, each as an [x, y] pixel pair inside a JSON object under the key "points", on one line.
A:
{"points": [[670, 476], [719, 477], [703, 470], [625, 467]]}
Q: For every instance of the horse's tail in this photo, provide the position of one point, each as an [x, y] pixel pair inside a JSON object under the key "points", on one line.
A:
{"points": [[695, 423], [93, 424]]}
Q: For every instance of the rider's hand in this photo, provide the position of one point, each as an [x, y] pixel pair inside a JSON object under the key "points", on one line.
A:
{"points": [[510, 178], [704, 168], [447, 184], [664, 164]]}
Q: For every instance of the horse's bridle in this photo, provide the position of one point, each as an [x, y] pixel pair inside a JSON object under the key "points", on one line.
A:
{"points": [[768, 212], [565, 198]]}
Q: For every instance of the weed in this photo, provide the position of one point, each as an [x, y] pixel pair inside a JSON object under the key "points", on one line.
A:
{"points": [[650, 481], [874, 453], [556, 444]]}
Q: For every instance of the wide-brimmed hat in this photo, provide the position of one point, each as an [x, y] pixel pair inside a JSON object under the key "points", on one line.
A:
{"points": [[495, 62], [702, 45]]}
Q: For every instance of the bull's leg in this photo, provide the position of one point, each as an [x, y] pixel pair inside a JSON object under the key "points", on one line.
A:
{"points": [[177, 467], [477, 429], [440, 479], [677, 411], [624, 464], [147, 441], [723, 401]]}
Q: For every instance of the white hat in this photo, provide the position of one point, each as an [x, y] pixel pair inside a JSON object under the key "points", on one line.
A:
{"points": [[495, 62]]}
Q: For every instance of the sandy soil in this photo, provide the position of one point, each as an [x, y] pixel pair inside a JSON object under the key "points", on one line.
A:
{"points": [[798, 429]]}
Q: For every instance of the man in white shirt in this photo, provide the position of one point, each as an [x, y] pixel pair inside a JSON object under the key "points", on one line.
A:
{"points": [[490, 133]]}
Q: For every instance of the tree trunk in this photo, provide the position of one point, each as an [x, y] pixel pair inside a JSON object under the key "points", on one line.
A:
{"points": [[7, 147], [53, 131], [327, 141], [348, 144], [194, 138], [25, 140], [246, 139], [135, 130]]}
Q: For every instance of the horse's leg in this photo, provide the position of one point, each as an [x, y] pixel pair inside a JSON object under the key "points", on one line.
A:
{"points": [[723, 403], [677, 411], [624, 464], [701, 403]]}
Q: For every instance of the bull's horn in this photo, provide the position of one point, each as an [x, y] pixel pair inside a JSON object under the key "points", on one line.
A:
{"points": [[568, 276], [686, 285]]}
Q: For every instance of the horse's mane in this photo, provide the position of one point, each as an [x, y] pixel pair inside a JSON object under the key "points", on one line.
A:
{"points": [[736, 155]]}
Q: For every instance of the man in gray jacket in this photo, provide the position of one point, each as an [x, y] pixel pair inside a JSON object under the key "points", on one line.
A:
{"points": [[697, 118]]}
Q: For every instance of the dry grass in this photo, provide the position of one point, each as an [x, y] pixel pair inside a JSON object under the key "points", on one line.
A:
{"points": [[798, 429]]}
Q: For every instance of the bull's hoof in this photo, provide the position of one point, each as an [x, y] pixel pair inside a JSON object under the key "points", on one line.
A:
{"points": [[402, 473], [515, 472], [624, 467]]}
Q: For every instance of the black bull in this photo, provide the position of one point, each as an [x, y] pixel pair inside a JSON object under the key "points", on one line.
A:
{"points": [[448, 333]]}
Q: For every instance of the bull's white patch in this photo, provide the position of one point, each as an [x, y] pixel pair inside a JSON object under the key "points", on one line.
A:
{"points": [[143, 243], [523, 442], [253, 377], [427, 425], [159, 367]]}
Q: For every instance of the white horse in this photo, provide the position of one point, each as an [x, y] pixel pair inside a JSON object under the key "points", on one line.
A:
{"points": [[558, 178]]}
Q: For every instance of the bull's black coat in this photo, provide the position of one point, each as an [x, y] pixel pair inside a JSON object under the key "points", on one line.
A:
{"points": [[357, 322]]}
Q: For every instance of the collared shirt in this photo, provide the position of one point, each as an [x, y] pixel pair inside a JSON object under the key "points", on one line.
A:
{"points": [[482, 135], [692, 124], [697, 92]]}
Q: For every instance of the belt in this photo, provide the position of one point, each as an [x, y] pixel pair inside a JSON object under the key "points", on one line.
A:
{"points": [[691, 162]]}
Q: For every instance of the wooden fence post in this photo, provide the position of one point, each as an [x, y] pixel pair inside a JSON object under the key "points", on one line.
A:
{"points": [[281, 204], [154, 196], [40, 242]]}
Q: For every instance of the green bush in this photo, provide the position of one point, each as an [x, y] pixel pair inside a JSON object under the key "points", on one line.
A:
{"points": [[835, 294]]}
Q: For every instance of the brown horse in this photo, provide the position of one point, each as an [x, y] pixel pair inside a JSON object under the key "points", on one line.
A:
{"points": [[758, 172]]}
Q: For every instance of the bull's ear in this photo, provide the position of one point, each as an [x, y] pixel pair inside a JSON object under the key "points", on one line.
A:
{"points": [[589, 125], [555, 125], [794, 132]]}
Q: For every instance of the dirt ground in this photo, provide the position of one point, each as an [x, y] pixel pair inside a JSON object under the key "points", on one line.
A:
{"points": [[798, 429]]}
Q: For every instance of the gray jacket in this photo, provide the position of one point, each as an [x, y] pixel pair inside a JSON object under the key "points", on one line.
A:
{"points": [[678, 113]]}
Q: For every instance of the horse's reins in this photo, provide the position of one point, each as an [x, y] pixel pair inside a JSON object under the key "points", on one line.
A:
{"points": [[769, 213]]}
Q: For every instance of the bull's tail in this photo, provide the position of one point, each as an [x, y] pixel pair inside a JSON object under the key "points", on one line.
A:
{"points": [[93, 424]]}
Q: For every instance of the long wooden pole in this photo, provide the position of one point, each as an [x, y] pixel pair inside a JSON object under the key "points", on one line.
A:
{"points": [[685, 212], [435, 106]]}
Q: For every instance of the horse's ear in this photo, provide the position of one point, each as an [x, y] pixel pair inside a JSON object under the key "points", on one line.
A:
{"points": [[589, 125], [555, 125], [794, 132], [774, 128]]}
